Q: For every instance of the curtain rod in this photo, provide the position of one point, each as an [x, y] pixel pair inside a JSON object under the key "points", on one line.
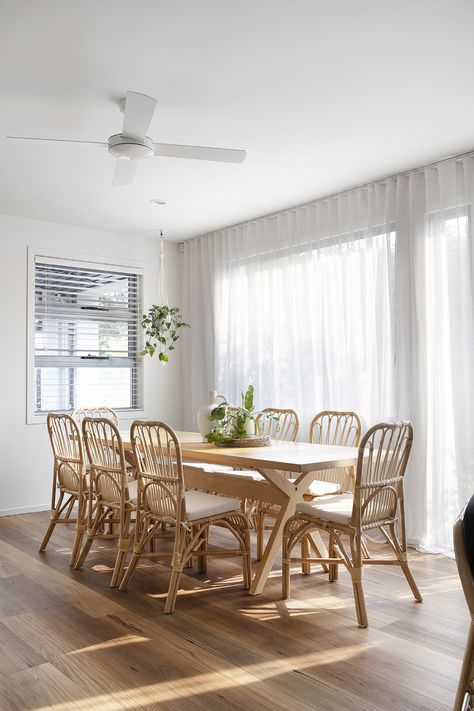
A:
{"points": [[362, 186]]}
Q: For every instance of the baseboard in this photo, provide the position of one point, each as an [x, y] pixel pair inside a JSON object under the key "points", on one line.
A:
{"points": [[23, 510]]}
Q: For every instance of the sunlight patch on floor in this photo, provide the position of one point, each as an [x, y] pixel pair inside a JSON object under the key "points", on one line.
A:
{"points": [[211, 682], [117, 642]]}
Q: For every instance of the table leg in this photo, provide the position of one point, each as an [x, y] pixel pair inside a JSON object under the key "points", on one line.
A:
{"points": [[272, 548]]}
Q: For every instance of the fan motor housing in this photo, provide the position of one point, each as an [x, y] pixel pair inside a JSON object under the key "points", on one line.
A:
{"points": [[130, 148]]}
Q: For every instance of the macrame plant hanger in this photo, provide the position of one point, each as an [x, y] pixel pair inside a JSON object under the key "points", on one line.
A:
{"points": [[161, 273], [162, 282]]}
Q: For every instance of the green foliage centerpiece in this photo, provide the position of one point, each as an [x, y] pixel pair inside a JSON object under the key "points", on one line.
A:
{"points": [[235, 426]]}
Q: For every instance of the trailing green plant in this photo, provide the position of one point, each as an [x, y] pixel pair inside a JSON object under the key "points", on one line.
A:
{"points": [[161, 326], [231, 422]]}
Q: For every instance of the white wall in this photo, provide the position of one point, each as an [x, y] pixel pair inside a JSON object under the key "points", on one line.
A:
{"points": [[25, 456]]}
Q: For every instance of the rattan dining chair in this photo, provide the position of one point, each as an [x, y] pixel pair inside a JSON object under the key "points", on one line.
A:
{"points": [[70, 485], [377, 503], [103, 411], [463, 536], [279, 424], [95, 411], [162, 499], [340, 428], [110, 488]]}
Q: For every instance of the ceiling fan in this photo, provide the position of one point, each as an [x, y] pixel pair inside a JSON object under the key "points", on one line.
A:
{"points": [[133, 144]]}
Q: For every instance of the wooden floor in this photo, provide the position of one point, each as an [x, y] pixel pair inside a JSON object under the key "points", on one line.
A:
{"points": [[69, 642]]}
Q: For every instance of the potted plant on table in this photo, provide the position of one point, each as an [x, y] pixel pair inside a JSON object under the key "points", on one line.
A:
{"points": [[236, 425]]}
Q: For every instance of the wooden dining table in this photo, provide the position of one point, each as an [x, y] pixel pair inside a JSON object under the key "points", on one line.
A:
{"points": [[287, 468]]}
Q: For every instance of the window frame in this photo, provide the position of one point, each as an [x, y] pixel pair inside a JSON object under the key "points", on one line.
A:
{"points": [[89, 260]]}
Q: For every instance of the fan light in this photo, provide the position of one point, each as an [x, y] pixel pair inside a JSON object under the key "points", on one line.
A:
{"points": [[130, 148]]}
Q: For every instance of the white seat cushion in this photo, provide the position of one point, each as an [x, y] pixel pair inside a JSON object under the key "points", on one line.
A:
{"points": [[323, 488], [201, 505], [334, 508]]}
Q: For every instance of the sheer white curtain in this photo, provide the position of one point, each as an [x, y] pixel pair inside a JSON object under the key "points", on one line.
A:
{"points": [[360, 301]]}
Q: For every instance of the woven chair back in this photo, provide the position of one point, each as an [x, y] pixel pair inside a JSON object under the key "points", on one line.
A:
{"points": [[381, 465], [278, 423], [95, 411], [68, 452], [340, 428], [336, 427], [160, 470], [106, 456]]}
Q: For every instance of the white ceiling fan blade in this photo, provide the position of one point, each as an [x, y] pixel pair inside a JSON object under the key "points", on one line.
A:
{"points": [[139, 110], [124, 172], [57, 140], [225, 155]]}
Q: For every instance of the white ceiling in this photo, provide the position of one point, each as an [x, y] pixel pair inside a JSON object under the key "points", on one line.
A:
{"points": [[322, 95]]}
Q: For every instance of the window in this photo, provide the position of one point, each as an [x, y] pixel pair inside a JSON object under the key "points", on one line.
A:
{"points": [[86, 336]]}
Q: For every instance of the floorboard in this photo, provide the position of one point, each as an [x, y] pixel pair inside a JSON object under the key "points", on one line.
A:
{"points": [[70, 643]]}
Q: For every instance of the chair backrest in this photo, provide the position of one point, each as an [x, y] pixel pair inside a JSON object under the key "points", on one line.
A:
{"points": [[106, 456], [381, 465], [160, 470], [341, 428], [95, 411], [463, 538], [278, 423], [66, 442], [335, 427]]}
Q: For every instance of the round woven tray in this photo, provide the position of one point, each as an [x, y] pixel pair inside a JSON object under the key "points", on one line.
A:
{"points": [[254, 441]]}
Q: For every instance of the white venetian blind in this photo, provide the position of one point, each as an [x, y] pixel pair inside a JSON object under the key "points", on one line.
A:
{"points": [[87, 335]]}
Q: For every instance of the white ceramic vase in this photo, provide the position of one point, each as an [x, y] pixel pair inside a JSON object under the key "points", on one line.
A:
{"points": [[250, 427], [203, 422]]}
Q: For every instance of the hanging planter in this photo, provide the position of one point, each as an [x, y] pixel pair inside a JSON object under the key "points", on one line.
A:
{"points": [[162, 323]]}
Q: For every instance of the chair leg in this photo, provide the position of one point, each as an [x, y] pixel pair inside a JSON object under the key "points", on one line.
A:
{"points": [[100, 515], [123, 547], [189, 562], [364, 548], [467, 669], [333, 567], [81, 526], [411, 581], [129, 572], [401, 553], [202, 552], [305, 553], [142, 537], [246, 562], [173, 588], [356, 574], [70, 506], [177, 569], [52, 524]]}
